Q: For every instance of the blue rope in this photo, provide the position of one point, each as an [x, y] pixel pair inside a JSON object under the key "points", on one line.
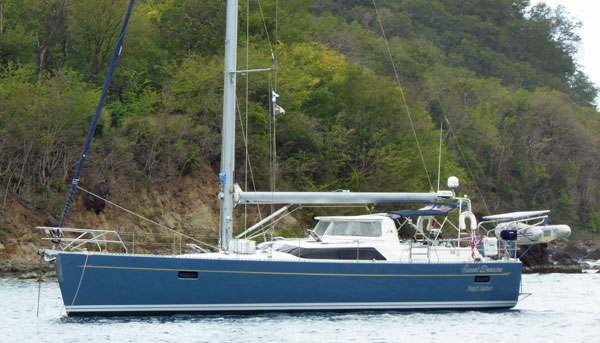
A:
{"points": [[86, 147]]}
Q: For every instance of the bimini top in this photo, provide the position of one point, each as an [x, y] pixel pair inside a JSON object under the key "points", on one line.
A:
{"points": [[435, 210], [516, 215]]}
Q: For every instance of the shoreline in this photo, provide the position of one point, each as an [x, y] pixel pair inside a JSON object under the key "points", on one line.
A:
{"points": [[24, 269], [550, 268]]}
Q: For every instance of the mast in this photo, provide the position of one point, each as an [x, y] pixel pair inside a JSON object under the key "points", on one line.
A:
{"points": [[226, 175], [228, 131]]}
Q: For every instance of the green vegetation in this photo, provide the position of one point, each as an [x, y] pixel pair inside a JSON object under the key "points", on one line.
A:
{"points": [[520, 126]]}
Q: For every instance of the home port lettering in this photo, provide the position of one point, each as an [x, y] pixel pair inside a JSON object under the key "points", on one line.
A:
{"points": [[479, 288]]}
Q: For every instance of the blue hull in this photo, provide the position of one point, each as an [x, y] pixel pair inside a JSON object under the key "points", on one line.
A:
{"points": [[136, 284]]}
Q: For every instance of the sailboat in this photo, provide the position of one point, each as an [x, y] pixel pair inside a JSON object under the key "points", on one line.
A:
{"points": [[345, 262]]}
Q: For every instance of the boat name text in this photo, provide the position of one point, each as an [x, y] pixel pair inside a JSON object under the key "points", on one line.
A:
{"points": [[481, 269]]}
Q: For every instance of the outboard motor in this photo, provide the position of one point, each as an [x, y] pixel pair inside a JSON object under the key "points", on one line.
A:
{"points": [[508, 235]]}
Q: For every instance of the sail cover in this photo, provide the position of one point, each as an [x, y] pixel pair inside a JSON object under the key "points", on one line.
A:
{"points": [[335, 198]]}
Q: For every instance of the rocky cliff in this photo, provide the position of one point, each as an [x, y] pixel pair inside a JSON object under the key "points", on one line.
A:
{"points": [[187, 205]]}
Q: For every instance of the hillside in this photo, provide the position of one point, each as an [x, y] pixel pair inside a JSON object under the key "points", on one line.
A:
{"points": [[520, 127], [187, 206]]}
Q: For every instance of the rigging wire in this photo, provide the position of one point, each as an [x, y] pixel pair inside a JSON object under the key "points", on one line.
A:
{"points": [[272, 147], [450, 129], [245, 137], [244, 124], [87, 255], [276, 44], [440, 158], [266, 30], [272, 113], [146, 219], [39, 281], [245, 133], [272, 127], [467, 164], [270, 226], [402, 94], [274, 144]]}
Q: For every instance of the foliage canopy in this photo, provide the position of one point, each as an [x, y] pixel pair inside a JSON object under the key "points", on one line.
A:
{"points": [[518, 117]]}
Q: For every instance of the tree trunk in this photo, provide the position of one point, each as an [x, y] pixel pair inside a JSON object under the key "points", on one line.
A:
{"points": [[1, 19], [53, 27]]}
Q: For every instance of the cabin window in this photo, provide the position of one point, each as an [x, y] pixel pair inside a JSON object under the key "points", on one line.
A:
{"points": [[361, 229], [369, 229], [188, 275], [482, 278], [345, 253], [322, 227], [339, 229]]}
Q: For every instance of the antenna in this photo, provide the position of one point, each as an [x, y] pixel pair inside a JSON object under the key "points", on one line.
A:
{"points": [[440, 156]]}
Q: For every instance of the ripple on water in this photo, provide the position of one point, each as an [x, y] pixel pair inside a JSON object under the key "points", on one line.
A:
{"points": [[562, 308]]}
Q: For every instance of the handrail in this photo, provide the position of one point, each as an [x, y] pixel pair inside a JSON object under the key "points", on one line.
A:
{"points": [[76, 239], [522, 220], [86, 236]]}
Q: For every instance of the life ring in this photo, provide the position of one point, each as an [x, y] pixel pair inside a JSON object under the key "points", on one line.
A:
{"points": [[472, 221], [421, 225]]}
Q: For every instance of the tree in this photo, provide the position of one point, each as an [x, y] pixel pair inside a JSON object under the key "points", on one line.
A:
{"points": [[53, 19], [192, 26], [582, 90], [93, 28]]}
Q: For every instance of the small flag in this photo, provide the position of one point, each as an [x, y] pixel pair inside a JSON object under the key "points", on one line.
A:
{"points": [[276, 108]]}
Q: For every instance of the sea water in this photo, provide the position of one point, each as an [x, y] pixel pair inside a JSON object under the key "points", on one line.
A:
{"points": [[562, 308]]}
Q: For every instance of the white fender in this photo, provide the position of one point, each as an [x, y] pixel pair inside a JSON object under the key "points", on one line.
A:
{"points": [[420, 223], [472, 221]]}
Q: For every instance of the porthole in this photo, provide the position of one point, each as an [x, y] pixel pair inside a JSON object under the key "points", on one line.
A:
{"points": [[482, 278], [188, 275]]}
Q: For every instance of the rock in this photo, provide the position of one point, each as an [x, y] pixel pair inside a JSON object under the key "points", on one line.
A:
{"points": [[564, 258], [545, 269], [573, 251], [20, 267], [93, 203], [27, 276], [51, 221], [560, 253], [594, 254], [535, 256]]}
